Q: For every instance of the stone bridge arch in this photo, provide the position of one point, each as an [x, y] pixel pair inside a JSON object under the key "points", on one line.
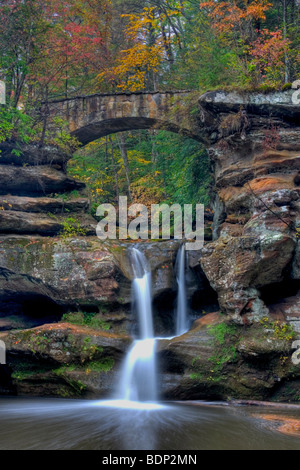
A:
{"points": [[92, 117]]}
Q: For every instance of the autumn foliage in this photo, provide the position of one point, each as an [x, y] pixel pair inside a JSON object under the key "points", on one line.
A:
{"points": [[141, 59], [52, 46], [269, 52], [150, 42], [228, 16]]}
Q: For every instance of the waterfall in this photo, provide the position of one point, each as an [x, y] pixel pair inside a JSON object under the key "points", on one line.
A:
{"points": [[182, 311], [138, 379], [138, 383]]}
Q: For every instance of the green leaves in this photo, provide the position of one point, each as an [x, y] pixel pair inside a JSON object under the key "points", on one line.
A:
{"points": [[15, 124]]}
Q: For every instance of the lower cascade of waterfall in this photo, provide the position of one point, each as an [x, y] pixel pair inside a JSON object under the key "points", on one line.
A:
{"points": [[138, 382]]}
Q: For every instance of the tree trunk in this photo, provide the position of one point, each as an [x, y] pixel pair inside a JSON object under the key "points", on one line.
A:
{"points": [[285, 37], [114, 167], [123, 149]]}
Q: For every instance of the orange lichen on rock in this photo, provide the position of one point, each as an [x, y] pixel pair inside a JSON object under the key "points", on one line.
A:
{"points": [[258, 186], [284, 424], [271, 183], [228, 193]]}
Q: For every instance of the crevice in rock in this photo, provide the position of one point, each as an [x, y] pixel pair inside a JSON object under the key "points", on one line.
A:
{"points": [[164, 308], [276, 293], [28, 311], [204, 299], [41, 307]]}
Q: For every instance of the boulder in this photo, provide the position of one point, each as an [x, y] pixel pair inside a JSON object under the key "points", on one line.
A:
{"points": [[220, 360], [35, 180], [63, 360], [21, 154], [237, 267], [75, 272]]}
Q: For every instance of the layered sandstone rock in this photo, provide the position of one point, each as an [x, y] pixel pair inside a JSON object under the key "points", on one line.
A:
{"points": [[62, 360], [223, 361], [78, 273], [255, 147], [43, 205], [29, 154], [36, 180], [37, 196]]}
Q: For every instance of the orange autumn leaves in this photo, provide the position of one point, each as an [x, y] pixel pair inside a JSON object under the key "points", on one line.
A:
{"points": [[228, 15]]}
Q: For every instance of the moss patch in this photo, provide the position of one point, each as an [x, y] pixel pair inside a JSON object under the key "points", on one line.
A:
{"points": [[225, 338], [92, 320], [24, 370]]}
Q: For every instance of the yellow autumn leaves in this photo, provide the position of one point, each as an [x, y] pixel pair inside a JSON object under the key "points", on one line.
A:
{"points": [[146, 52]]}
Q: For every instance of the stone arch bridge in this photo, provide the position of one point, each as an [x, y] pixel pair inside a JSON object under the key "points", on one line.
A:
{"points": [[95, 116]]}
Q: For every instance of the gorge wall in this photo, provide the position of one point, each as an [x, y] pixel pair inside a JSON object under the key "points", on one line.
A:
{"points": [[256, 158], [65, 300]]}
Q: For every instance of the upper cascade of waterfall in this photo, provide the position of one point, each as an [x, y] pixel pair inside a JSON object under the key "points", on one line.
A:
{"points": [[182, 322], [139, 263], [142, 293]]}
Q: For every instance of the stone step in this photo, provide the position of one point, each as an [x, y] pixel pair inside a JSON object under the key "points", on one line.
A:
{"points": [[38, 180], [43, 205], [20, 154], [13, 222]]}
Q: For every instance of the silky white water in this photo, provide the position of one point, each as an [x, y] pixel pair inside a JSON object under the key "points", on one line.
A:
{"points": [[138, 383], [138, 378], [182, 311]]}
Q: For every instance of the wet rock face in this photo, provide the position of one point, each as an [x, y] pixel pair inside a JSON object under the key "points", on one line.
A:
{"points": [[221, 360], [255, 148], [78, 273], [44, 277]]}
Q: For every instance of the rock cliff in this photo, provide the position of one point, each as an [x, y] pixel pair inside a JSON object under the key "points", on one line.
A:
{"points": [[255, 149]]}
